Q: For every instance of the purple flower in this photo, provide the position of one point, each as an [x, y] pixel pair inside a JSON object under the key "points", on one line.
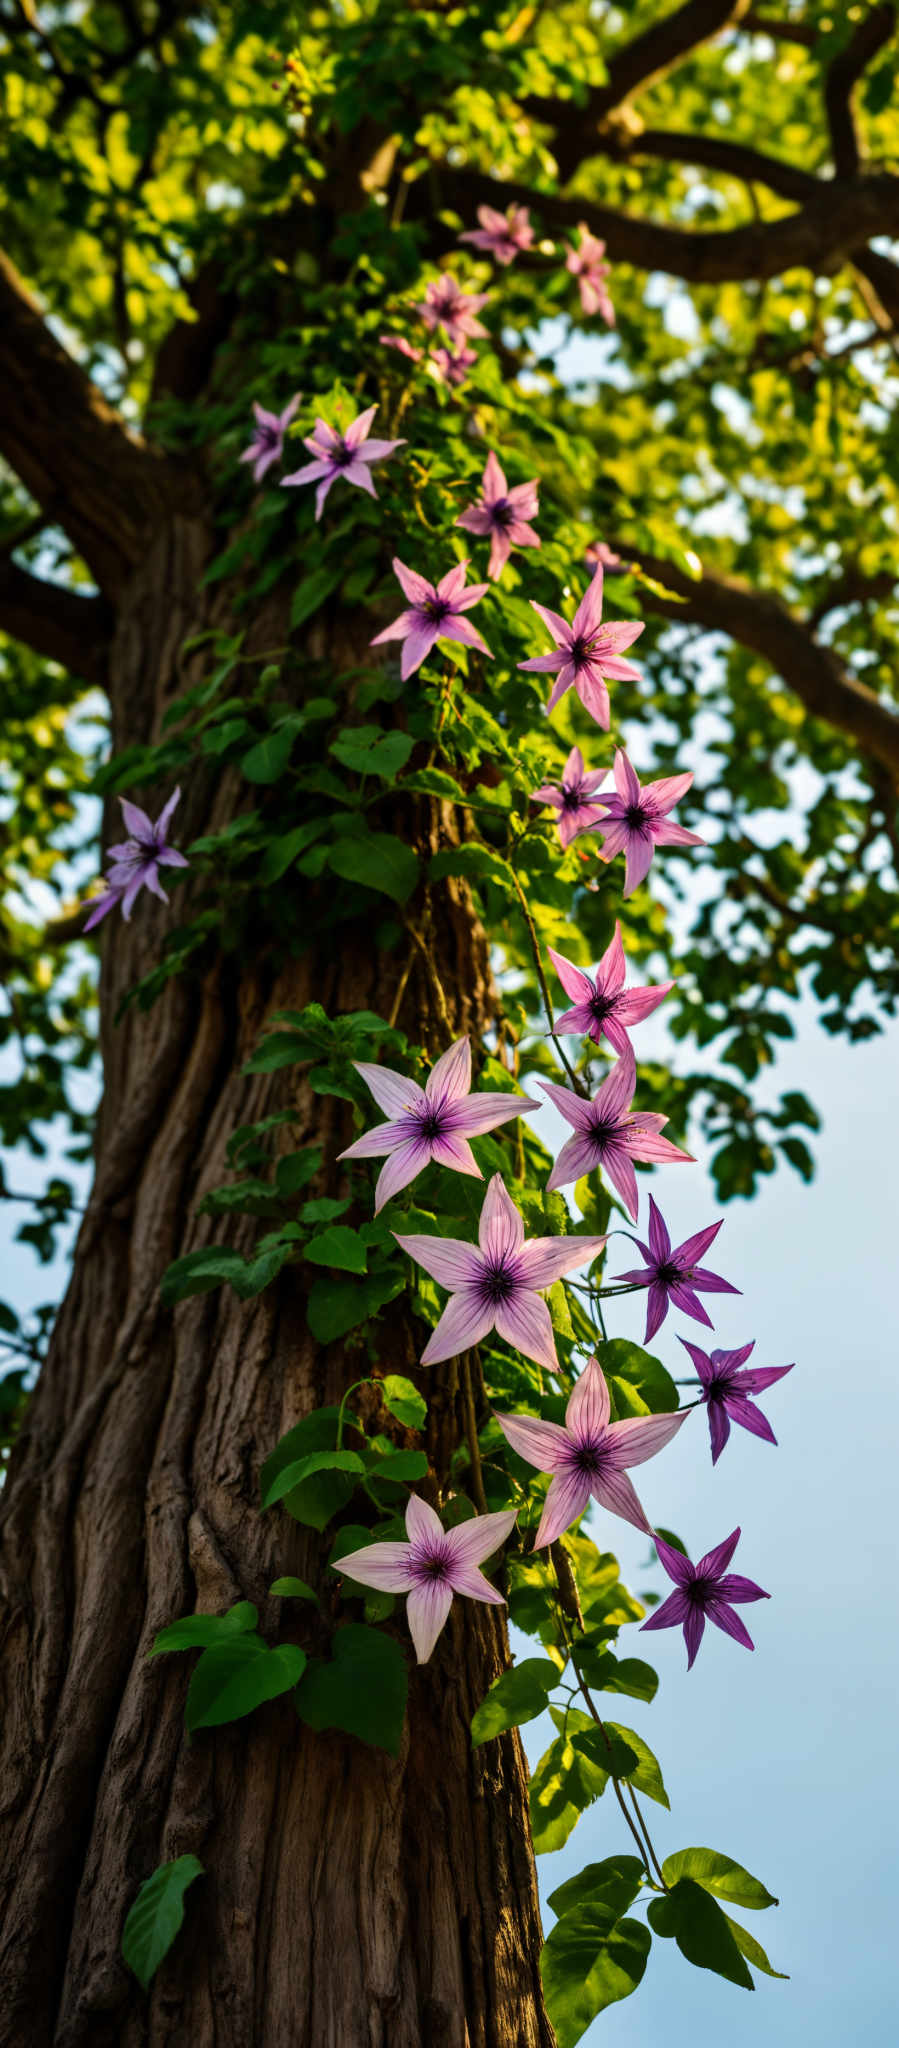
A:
{"points": [[726, 1390], [435, 613], [675, 1275], [599, 552], [404, 347], [430, 1123], [704, 1589], [346, 455], [590, 1455], [576, 812], [267, 444], [452, 365], [603, 1007], [588, 653], [501, 235], [447, 306], [636, 820], [608, 1134], [135, 864], [497, 1287], [432, 1566], [586, 264], [503, 514]]}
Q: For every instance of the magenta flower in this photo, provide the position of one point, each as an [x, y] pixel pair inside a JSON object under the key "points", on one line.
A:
{"points": [[636, 820], [572, 800], [608, 1134], [590, 1455], [603, 1007], [501, 235], [497, 1287], [599, 552], [435, 613], [404, 347], [586, 264], [267, 444], [432, 1566], [347, 455], [726, 1390], [430, 1123], [706, 1589], [135, 864], [452, 365], [447, 306], [503, 514], [588, 654], [676, 1275]]}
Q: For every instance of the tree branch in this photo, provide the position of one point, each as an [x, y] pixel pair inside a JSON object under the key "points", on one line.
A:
{"points": [[107, 488], [57, 623], [715, 153], [842, 78], [762, 622]]}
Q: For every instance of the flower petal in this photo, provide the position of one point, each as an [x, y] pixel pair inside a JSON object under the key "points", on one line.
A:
{"points": [[500, 1230], [675, 1563], [672, 1613], [416, 588], [524, 1321], [567, 1498], [388, 1566], [716, 1561], [725, 1618], [613, 1490], [479, 1538], [453, 1151], [639, 1437], [588, 1407], [403, 1166], [465, 1320], [543, 1444], [451, 1261], [575, 982], [543, 1260], [423, 1524], [450, 1076], [395, 1093], [483, 1112], [427, 1608]]}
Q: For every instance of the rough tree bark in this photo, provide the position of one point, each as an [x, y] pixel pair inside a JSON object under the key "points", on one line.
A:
{"points": [[350, 1901]]}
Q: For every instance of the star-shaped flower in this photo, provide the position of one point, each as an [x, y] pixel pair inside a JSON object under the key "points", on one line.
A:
{"points": [[430, 1123], [344, 455], [590, 1456], [586, 264], [603, 1007], [434, 613], [675, 1275], [726, 1391], [588, 654], [136, 862], [267, 444], [434, 1564], [451, 366], [609, 1134], [498, 1285], [446, 305], [635, 820], [599, 551], [572, 799], [501, 235], [503, 513], [704, 1590]]}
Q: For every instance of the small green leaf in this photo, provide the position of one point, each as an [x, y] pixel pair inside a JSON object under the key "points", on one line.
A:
{"points": [[400, 1466], [316, 1461], [310, 594], [379, 861], [198, 1272], [281, 853], [199, 1631], [606, 1673], [563, 1785], [612, 1885], [753, 1950], [588, 1963], [293, 1589], [701, 1931], [361, 1691], [269, 758], [720, 1875], [340, 1247], [370, 751], [157, 1915], [233, 1679], [403, 1400], [518, 1696]]}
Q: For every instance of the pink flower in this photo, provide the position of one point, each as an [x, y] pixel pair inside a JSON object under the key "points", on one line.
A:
{"points": [[503, 514], [497, 1287], [609, 1134], [452, 365], [446, 305], [598, 551], [267, 444], [434, 613], [135, 863], [706, 1589], [430, 1123], [675, 1274], [586, 264], [576, 813], [341, 455], [590, 1456], [588, 654], [434, 1564], [501, 235], [404, 347], [636, 820], [603, 1007]]}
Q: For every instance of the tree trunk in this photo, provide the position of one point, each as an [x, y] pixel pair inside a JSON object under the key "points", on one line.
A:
{"points": [[350, 1901]]}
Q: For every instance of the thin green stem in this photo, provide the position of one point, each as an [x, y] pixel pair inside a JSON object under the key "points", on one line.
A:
{"points": [[367, 1382], [544, 986]]}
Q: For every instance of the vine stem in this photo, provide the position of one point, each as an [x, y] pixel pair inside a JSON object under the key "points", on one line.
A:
{"points": [[544, 987], [433, 977], [471, 1432]]}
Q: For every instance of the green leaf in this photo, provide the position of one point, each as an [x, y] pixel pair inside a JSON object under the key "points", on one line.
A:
{"points": [[199, 1631], [476, 863], [519, 1695], [316, 1461], [400, 1466], [293, 1589], [403, 1400], [632, 1371], [379, 861], [753, 1950], [283, 851], [269, 758], [607, 1750], [606, 1673], [233, 1679], [157, 1915], [563, 1785], [720, 1875], [310, 594], [294, 1170], [336, 1306], [361, 1691], [587, 1964], [338, 1246], [198, 1272], [647, 1777], [612, 1885], [370, 751], [701, 1931]]}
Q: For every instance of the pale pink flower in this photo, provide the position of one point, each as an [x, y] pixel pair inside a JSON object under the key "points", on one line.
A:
{"points": [[503, 513], [431, 1566], [635, 821], [609, 1134], [586, 264], [267, 444], [434, 613], [589, 1457], [446, 305], [501, 235], [344, 455], [433, 1123], [603, 1007], [572, 799], [588, 654]]}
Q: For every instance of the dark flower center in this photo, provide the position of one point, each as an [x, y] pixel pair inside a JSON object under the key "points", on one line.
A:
{"points": [[571, 796], [700, 1591], [603, 1133], [433, 1567], [436, 609], [635, 817], [499, 1284], [432, 1124], [579, 651], [601, 1006], [588, 1459], [267, 435], [341, 456], [669, 1273], [501, 513]]}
